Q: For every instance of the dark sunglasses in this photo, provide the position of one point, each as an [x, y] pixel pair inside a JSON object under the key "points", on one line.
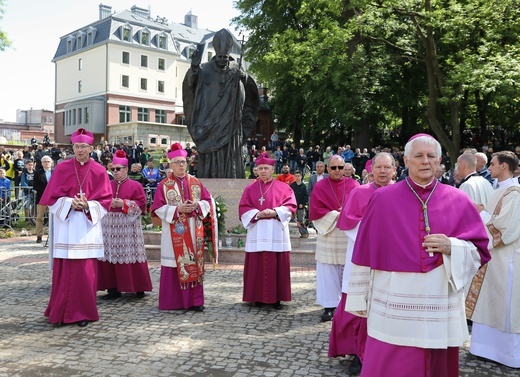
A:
{"points": [[336, 167], [116, 169]]}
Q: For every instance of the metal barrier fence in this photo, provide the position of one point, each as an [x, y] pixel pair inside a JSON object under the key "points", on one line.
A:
{"points": [[17, 206]]}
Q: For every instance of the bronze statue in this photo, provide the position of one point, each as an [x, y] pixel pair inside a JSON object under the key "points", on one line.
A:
{"points": [[221, 105]]}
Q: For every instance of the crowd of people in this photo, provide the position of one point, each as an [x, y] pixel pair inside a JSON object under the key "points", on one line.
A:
{"points": [[391, 295], [409, 294]]}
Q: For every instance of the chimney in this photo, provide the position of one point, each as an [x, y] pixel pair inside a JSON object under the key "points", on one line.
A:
{"points": [[145, 13], [104, 11], [191, 20]]}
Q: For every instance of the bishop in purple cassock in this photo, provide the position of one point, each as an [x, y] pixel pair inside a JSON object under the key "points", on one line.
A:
{"points": [[124, 266], [78, 196], [349, 332], [328, 198], [422, 242], [265, 209]]}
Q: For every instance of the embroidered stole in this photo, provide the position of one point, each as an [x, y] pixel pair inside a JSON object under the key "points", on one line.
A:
{"points": [[189, 256]]}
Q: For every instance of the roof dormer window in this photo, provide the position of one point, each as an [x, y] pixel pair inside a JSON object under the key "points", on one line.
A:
{"points": [[91, 35], [126, 33], [162, 41], [145, 37], [71, 43], [80, 39]]}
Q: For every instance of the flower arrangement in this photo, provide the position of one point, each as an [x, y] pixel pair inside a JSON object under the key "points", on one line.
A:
{"points": [[215, 225]]}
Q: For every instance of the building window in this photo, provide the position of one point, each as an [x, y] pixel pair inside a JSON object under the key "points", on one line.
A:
{"points": [[162, 42], [127, 34], [125, 81], [160, 86], [160, 116], [80, 42], [161, 64], [144, 61], [210, 55], [87, 115], [80, 86], [80, 116], [70, 45], [80, 64], [144, 84], [124, 114], [73, 116], [91, 35], [145, 38], [126, 57], [143, 114]]}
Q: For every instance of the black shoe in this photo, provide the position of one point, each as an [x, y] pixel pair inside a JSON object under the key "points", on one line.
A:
{"points": [[327, 314], [139, 295], [82, 323], [38, 239], [197, 308], [277, 305], [112, 294], [258, 304], [355, 366]]}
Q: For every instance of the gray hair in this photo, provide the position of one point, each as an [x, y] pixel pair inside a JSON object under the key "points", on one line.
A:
{"points": [[469, 159], [482, 155], [426, 139]]}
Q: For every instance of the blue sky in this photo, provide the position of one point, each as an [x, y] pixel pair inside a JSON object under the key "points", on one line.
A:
{"points": [[35, 27]]}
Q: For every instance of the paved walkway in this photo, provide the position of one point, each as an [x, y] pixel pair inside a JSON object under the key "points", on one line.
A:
{"points": [[133, 338]]}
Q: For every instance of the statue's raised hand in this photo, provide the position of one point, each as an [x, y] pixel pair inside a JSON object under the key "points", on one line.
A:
{"points": [[195, 59]]}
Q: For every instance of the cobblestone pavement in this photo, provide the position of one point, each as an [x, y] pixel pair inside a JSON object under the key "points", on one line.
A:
{"points": [[133, 338]]}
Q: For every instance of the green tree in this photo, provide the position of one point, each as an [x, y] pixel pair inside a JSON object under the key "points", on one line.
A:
{"points": [[4, 41], [371, 70], [466, 47]]}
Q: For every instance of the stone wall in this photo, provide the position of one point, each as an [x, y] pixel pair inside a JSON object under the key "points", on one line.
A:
{"points": [[231, 190]]}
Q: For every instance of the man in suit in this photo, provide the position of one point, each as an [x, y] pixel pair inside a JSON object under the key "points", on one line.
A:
{"points": [[320, 174], [41, 178]]}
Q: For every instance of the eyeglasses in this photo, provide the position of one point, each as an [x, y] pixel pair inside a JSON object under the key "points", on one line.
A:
{"points": [[340, 167], [116, 169], [81, 146], [182, 162]]}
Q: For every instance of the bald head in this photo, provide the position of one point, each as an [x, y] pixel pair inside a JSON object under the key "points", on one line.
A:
{"points": [[466, 164]]}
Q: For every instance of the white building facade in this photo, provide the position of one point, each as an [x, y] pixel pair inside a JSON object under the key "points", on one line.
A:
{"points": [[121, 77]]}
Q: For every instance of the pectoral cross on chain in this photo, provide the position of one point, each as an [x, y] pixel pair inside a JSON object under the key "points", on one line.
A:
{"points": [[261, 200], [426, 223]]}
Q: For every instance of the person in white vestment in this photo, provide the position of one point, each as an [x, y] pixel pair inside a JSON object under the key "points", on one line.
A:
{"points": [[496, 317], [478, 188]]}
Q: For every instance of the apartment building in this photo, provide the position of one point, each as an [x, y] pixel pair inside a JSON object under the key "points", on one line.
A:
{"points": [[120, 77]]}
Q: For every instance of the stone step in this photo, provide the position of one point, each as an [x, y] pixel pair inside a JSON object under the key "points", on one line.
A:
{"points": [[297, 243], [235, 255]]}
